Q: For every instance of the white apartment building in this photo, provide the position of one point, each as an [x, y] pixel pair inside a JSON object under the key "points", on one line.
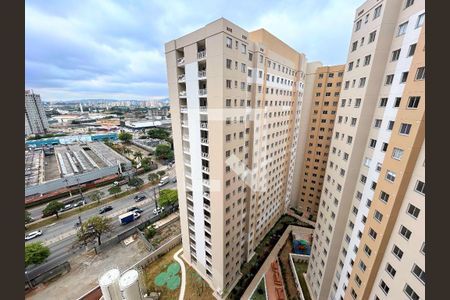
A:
{"points": [[35, 118]]}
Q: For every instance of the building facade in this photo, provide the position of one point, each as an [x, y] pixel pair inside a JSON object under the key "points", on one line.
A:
{"points": [[370, 227], [35, 118], [236, 107], [326, 90]]}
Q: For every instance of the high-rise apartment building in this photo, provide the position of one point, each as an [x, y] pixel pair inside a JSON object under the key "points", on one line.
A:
{"points": [[35, 118], [236, 106], [369, 237], [325, 97]]}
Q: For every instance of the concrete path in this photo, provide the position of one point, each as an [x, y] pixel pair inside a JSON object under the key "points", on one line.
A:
{"points": [[183, 273]]}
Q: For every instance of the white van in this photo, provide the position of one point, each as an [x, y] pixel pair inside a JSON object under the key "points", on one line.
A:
{"points": [[163, 181]]}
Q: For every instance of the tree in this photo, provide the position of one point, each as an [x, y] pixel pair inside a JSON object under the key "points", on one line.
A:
{"points": [[136, 182], [148, 164], [52, 208], [28, 218], [138, 154], [164, 152], [167, 197], [150, 232], [115, 190], [36, 253], [125, 137], [158, 133], [93, 229], [161, 173], [96, 196], [153, 178]]}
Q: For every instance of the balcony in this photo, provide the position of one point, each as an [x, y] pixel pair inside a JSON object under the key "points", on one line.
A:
{"points": [[183, 108], [202, 74], [180, 61], [184, 124], [189, 186], [206, 195], [205, 169], [208, 218], [189, 175], [186, 150], [208, 239], [204, 141], [204, 125], [202, 92], [207, 207], [201, 55], [182, 94], [181, 78], [206, 182], [186, 138], [203, 109], [189, 197], [205, 155]]}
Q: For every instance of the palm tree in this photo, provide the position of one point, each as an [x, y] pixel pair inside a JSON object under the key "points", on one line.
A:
{"points": [[138, 154]]}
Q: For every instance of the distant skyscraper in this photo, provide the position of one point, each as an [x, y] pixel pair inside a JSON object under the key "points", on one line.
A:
{"points": [[35, 118]]}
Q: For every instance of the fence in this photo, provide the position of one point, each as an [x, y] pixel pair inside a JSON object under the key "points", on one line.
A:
{"points": [[50, 273], [297, 258]]}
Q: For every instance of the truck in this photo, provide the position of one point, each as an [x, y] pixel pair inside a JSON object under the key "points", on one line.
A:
{"points": [[128, 217], [163, 181]]}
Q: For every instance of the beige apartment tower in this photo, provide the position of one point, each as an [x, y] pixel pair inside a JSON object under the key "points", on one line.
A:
{"points": [[369, 240], [236, 101], [325, 96]]}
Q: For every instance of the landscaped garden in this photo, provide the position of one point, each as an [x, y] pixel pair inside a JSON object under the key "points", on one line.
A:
{"points": [[301, 268], [288, 276], [196, 287], [260, 291], [250, 269]]}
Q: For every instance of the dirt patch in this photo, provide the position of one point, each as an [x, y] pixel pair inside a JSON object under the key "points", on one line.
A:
{"points": [[196, 287], [86, 269], [288, 276]]}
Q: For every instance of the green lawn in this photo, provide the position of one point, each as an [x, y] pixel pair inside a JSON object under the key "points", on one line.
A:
{"points": [[260, 291], [301, 268]]}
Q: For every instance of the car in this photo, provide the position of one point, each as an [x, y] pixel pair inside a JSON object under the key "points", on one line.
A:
{"points": [[135, 209], [140, 198], [105, 209], [136, 215], [158, 210], [66, 207], [33, 235], [174, 180], [79, 203]]}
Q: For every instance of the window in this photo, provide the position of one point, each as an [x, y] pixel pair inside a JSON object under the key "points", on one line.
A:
{"points": [[378, 216], [228, 63], [228, 84], [243, 48], [402, 28], [389, 79], [384, 287], [372, 143], [420, 20], [405, 128], [363, 179], [390, 176], [377, 12], [397, 153], [412, 50], [413, 211], [250, 56], [354, 295], [383, 102], [358, 25], [409, 3], [390, 125], [377, 123], [405, 232], [362, 266], [384, 196], [362, 82], [397, 252], [357, 102], [420, 187], [404, 77], [367, 60], [229, 42], [354, 46], [367, 250], [372, 233], [350, 66], [420, 274], [347, 84], [397, 101], [372, 36], [390, 270], [410, 293], [358, 280], [420, 73], [395, 55]]}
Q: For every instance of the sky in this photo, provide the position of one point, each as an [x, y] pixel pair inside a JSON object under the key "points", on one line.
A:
{"points": [[115, 49]]}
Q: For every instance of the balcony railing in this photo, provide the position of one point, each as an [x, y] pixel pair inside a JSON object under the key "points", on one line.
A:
{"points": [[205, 154], [206, 206], [183, 108], [205, 169], [202, 92], [180, 61], [208, 239], [184, 123], [186, 149], [203, 108], [206, 194], [208, 218], [201, 54], [181, 77], [188, 174], [189, 197], [206, 182], [182, 94], [204, 125], [185, 137], [204, 140], [202, 74]]}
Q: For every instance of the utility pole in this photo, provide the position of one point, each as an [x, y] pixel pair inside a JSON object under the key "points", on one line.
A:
{"points": [[79, 188], [66, 181]]}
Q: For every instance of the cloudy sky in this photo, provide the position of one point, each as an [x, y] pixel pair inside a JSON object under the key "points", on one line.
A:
{"points": [[115, 49]]}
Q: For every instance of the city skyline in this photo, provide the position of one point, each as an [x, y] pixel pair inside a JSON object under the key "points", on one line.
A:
{"points": [[69, 63]]}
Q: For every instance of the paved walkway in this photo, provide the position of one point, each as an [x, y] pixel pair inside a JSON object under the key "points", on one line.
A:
{"points": [[183, 273]]}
